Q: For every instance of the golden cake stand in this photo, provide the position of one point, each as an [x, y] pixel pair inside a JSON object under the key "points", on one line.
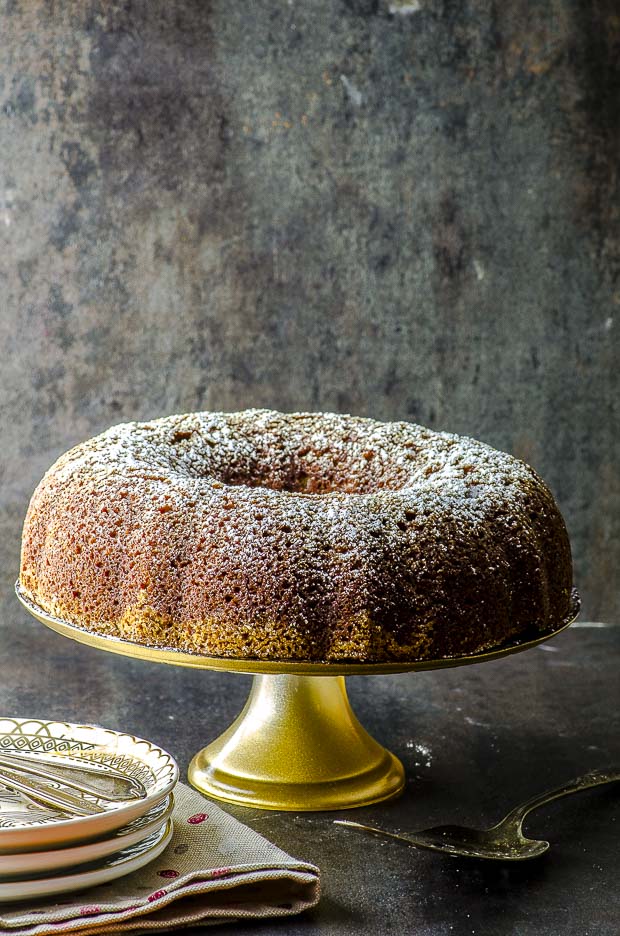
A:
{"points": [[297, 744]]}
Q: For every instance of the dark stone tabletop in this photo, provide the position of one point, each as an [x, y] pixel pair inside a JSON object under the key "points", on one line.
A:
{"points": [[474, 741], [391, 208]]}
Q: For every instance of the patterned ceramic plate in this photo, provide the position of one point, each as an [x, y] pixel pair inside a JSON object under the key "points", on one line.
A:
{"points": [[97, 872], [29, 863], [108, 758]]}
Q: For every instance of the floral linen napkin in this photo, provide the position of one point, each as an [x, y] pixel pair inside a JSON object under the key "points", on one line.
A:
{"points": [[214, 869]]}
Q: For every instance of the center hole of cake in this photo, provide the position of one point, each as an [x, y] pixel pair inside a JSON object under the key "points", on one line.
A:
{"points": [[294, 482]]}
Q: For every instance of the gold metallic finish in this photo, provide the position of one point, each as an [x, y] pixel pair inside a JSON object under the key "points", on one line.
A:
{"points": [[297, 744]]}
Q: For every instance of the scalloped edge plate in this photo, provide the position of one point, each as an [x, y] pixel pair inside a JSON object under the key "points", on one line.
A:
{"points": [[115, 866], [26, 826], [54, 860]]}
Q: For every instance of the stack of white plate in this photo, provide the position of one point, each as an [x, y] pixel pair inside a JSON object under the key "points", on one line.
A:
{"points": [[120, 785]]}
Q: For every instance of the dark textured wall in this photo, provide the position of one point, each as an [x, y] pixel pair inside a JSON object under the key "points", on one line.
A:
{"points": [[406, 210]]}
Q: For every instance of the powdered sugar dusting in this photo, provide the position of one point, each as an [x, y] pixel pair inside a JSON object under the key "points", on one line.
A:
{"points": [[310, 535]]}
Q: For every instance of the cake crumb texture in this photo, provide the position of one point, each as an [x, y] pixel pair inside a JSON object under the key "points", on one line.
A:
{"points": [[304, 536]]}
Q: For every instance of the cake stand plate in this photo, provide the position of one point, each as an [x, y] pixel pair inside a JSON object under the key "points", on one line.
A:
{"points": [[297, 744]]}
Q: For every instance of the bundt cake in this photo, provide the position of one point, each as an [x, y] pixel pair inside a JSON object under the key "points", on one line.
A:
{"points": [[304, 536]]}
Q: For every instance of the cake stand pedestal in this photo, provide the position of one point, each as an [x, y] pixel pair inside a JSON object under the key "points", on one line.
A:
{"points": [[297, 744]]}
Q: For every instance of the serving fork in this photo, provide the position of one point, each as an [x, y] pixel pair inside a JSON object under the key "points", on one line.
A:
{"points": [[48, 796], [32, 777]]}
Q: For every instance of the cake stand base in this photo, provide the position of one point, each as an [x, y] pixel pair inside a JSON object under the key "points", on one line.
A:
{"points": [[297, 745]]}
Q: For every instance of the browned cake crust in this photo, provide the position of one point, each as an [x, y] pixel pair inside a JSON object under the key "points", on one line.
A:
{"points": [[297, 537]]}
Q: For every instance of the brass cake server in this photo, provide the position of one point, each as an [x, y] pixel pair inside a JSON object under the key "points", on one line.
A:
{"points": [[502, 842]]}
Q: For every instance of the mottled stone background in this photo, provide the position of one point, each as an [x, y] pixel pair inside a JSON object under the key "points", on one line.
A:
{"points": [[406, 210]]}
